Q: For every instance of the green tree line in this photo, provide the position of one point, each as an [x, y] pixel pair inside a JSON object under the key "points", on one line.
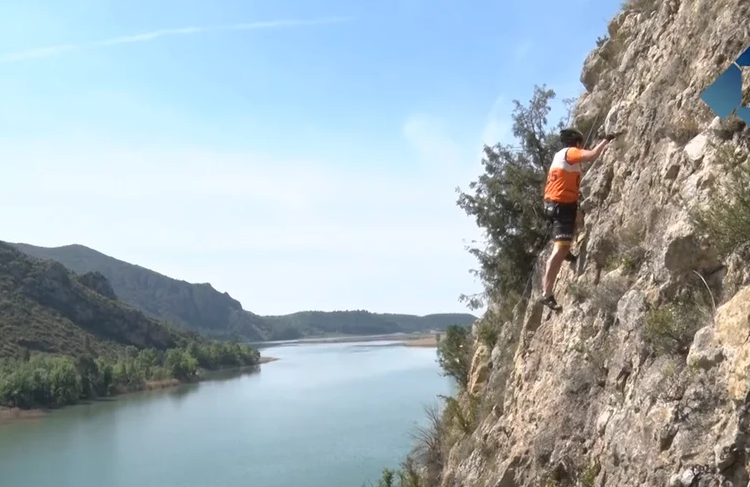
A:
{"points": [[53, 381]]}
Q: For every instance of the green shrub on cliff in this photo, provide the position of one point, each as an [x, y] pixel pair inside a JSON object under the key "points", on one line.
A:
{"points": [[454, 354], [726, 221]]}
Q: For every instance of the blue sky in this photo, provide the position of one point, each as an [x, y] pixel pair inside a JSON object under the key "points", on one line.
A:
{"points": [[296, 154]]}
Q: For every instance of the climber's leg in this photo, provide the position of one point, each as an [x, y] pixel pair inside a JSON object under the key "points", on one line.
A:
{"points": [[559, 253], [562, 234]]}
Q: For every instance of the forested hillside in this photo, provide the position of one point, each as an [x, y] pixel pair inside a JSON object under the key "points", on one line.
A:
{"points": [[66, 337]]}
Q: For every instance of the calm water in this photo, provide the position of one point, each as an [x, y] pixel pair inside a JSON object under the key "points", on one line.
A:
{"points": [[330, 415]]}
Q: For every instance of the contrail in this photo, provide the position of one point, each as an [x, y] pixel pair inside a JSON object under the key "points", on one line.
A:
{"points": [[150, 36]]}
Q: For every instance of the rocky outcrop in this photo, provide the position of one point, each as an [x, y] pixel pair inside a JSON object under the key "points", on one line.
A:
{"points": [[97, 282], [644, 378]]}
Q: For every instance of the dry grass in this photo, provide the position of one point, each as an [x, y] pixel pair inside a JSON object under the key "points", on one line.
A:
{"points": [[429, 449]]}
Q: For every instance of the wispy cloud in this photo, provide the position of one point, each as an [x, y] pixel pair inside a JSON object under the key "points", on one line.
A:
{"points": [[49, 51]]}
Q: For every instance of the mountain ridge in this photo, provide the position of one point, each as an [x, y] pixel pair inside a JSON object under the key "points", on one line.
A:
{"points": [[202, 308], [47, 308]]}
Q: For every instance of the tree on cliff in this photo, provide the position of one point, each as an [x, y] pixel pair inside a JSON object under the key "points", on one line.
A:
{"points": [[454, 354], [506, 200]]}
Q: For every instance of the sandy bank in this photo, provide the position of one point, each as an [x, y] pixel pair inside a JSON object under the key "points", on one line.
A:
{"points": [[425, 341], [8, 415]]}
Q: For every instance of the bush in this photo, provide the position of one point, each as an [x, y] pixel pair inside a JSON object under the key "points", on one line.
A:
{"points": [[42, 381], [429, 444], [488, 331], [628, 252], [670, 329], [456, 415], [726, 220], [579, 291], [406, 476], [588, 476], [454, 354]]}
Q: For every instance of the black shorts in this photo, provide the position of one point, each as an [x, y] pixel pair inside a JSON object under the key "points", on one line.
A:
{"points": [[562, 218]]}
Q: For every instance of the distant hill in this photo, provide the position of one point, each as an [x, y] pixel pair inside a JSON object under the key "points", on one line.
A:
{"points": [[198, 307], [46, 308], [324, 323], [201, 308]]}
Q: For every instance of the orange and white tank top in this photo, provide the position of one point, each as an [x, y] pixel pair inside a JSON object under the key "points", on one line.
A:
{"points": [[564, 177]]}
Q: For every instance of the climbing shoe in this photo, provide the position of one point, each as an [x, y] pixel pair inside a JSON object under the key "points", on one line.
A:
{"points": [[551, 303]]}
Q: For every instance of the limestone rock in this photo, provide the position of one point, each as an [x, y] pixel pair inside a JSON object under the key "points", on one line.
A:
{"points": [[705, 353], [696, 148], [683, 251], [616, 119], [480, 368], [631, 310], [601, 422], [593, 67], [724, 456], [687, 478], [732, 331]]}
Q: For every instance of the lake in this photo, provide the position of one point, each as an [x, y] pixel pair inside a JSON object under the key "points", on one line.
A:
{"points": [[323, 415]]}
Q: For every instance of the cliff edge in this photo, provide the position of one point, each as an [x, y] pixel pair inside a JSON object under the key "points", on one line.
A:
{"points": [[643, 379]]}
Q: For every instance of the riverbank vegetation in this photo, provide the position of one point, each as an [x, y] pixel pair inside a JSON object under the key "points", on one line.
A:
{"points": [[40, 380]]}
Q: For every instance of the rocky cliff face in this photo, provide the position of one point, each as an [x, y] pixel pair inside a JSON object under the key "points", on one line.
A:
{"points": [[644, 378]]}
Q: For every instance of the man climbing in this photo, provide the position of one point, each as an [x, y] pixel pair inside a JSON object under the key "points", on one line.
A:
{"points": [[561, 202]]}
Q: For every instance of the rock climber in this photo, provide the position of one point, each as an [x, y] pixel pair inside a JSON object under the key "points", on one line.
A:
{"points": [[561, 203]]}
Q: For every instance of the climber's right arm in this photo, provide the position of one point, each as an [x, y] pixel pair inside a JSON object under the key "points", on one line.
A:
{"points": [[575, 156]]}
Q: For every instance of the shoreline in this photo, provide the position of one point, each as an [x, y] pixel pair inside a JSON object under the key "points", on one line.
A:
{"points": [[422, 342], [421, 339], [11, 415]]}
